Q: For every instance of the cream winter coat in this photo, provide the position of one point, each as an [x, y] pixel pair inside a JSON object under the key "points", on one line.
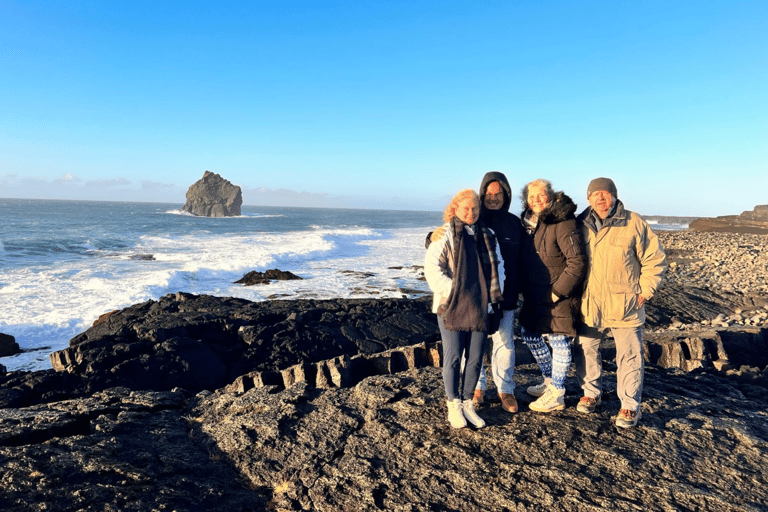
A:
{"points": [[439, 267], [625, 260]]}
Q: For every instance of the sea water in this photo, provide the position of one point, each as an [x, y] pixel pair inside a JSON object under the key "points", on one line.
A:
{"points": [[64, 263]]}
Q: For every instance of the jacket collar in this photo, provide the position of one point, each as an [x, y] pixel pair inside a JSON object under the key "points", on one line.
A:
{"points": [[619, 218]]}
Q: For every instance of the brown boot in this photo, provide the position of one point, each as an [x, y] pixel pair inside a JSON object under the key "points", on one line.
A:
{"points": [[478, 398], [508, 402]]}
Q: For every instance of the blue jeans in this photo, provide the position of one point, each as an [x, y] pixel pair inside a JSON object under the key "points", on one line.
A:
{"points": [[502, 357], [456, 344]]}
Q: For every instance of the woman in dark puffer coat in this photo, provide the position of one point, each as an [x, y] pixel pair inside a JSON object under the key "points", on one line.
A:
{"points": [[556, 263]]}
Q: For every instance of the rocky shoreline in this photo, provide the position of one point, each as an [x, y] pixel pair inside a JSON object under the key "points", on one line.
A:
{"points": [[205, 403]]}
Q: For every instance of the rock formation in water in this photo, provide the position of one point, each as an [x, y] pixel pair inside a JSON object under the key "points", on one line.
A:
{"points": [[755, 221], [8, 345], [213, 196], [255, 277]]}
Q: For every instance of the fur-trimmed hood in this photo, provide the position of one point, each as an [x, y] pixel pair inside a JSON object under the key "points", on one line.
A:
{"points": [[561, 208]]}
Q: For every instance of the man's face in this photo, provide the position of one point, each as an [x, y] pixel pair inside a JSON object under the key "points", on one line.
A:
{"points": [[494, 197], [601, 201]]}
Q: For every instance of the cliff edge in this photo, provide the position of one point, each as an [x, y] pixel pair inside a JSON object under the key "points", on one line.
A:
{"points": [[754, 221]]}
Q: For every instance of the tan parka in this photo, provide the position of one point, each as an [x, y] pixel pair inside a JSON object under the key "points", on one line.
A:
{"points": [[625, 260]]}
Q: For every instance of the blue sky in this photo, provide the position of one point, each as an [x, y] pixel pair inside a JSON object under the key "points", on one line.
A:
{"points": [[386, 104]]}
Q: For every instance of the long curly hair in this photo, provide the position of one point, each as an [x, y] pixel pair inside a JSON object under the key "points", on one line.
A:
{"points": [[450, 210]]}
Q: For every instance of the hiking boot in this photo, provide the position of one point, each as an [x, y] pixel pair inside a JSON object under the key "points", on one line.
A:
{"points": [[588, 404], [627, 418], [478, 398], [508, 402], [455, 414], [552, 400], [539, 389], [471, 415]]}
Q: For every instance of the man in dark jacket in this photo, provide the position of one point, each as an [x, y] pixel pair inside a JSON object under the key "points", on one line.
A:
{"points": [[496, 196]]}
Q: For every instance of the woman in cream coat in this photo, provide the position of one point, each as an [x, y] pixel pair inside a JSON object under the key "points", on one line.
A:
{"points": [[464, 269]]}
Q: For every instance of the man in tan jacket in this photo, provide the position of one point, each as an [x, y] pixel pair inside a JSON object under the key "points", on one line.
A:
{"points": [[626, 263]]}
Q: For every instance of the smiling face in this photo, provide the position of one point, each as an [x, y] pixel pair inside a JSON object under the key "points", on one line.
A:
{"points": [[537, 198], [494, 196], [601, 202], [468, 210]]}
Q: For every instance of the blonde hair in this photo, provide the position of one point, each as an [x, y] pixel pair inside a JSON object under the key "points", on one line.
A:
{"points": [[539, 183], [450, 210]]}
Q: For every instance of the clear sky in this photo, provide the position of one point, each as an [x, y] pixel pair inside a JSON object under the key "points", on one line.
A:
{"points": [[386, 104]]}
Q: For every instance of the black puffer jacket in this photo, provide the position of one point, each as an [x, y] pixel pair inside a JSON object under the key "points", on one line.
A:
{"points": [[555, 262], [510, 236]]}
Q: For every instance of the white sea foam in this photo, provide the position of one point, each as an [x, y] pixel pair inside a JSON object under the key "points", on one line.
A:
{"points": [[47, 305], [243, 216]]}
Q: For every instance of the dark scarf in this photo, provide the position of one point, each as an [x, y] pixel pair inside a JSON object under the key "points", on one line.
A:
{"points": [[475, 279]]}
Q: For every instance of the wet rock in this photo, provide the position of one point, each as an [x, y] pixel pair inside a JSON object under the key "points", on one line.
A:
{"points": [[254, 277], [204, 342], [8, 345], [213, 196]]}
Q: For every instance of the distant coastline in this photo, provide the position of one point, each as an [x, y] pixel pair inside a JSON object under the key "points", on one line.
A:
{"points": [[668, 219]]}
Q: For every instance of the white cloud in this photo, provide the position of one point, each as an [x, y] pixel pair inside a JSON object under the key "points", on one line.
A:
{"points": [[71, 187]]}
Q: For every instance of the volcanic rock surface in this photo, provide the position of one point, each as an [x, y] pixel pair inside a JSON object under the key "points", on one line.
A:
{"points": [[194, 403], [213, 196], [255, 277], [8, 345]]}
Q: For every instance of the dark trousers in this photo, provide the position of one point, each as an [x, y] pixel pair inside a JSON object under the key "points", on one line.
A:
{"points": [[455, 344]]}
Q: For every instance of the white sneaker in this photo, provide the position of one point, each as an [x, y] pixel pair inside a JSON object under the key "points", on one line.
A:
{"points": [[455, 413], [552, 400], [540, 389], [471, 415]]}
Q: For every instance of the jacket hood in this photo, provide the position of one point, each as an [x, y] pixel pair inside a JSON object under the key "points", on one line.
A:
{"points": [[562, 208], [487, 180]]}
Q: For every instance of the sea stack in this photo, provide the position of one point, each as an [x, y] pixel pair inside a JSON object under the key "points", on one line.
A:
{"points": [[213, 196]]}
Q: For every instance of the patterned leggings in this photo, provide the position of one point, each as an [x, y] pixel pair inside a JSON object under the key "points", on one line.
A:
{"points": [[553, 365]]}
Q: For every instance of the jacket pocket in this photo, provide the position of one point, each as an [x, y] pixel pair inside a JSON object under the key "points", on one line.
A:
{"points": [[621, 303]]}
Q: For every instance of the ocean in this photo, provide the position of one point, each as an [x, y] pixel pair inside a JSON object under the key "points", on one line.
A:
{"points": [[65, 263]]}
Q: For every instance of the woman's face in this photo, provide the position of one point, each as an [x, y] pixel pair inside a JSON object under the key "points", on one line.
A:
{"points": [[537, 199], [468, 210]]}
